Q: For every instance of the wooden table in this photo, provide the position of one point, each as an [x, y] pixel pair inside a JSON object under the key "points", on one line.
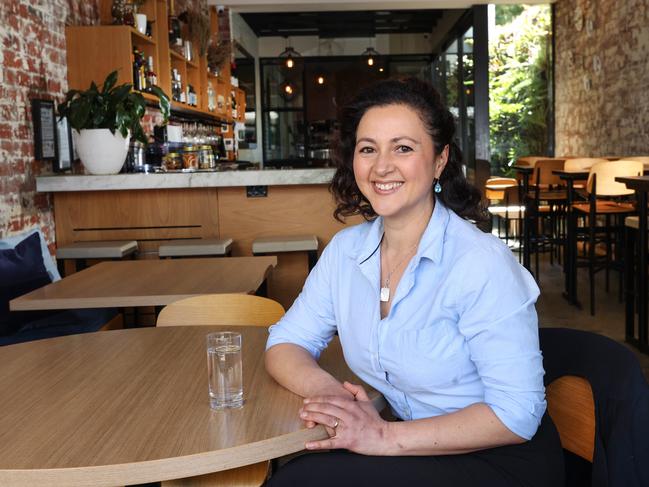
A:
{"points": [[131, 406], [136, 283], [641, 186]]}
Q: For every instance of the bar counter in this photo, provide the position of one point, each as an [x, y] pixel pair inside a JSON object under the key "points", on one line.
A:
{"points": [[242, 205], [198, 179]]}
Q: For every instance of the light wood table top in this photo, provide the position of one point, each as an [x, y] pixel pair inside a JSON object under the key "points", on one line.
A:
{"points": [[133, 283], [131, 406]]}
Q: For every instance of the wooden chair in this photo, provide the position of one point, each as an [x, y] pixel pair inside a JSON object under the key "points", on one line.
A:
{"points": [[597, 397], [230, 310], [572, 409], [604, 194]]}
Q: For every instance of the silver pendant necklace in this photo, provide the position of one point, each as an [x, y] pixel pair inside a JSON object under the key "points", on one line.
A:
{"points": [[384, 295]]}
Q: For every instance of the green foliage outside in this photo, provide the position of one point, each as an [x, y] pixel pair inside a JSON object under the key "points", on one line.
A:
{"points": [[519, 73]]}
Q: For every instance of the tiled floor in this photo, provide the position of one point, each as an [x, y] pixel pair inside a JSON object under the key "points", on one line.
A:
{"points": [[554, 310]]}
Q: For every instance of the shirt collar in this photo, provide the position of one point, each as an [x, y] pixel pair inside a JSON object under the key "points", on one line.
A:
{"points": [[430, 245]]}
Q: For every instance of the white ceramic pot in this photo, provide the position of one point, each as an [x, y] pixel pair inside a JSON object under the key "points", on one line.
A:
{"points": [[100, 151], [140, 22]]}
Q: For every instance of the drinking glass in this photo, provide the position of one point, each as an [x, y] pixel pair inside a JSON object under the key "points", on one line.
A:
{"points": [[224, 370]]}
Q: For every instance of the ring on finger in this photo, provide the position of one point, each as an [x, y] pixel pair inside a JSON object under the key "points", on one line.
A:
{"points": [[336, 424]]}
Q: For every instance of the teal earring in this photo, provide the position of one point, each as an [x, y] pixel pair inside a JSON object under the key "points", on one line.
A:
{"points": [[437, 187]]}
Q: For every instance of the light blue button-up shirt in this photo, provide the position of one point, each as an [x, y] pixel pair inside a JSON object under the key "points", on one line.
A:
{"points": [[462, 327]]}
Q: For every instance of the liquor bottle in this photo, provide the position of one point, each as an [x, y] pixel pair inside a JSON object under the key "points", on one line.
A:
{"points": [[142, 72], [174, 27], [183, 91], [137, 80], [151, 77], [233, 103]]}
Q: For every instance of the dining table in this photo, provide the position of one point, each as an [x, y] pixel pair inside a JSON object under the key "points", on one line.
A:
{"points": [[640, 184], [131, 406], [148, 282]]}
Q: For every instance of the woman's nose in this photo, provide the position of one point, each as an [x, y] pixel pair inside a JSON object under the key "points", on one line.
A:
{"points": [[383, 164]]}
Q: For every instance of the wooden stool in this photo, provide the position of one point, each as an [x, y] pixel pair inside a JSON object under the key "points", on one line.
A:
{"points": [[81, 251], [195, 248], [296, 243]]}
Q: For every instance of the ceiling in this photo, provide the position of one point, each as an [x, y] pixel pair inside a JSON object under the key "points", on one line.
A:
{"points": [[241, 6], [342, 23]]}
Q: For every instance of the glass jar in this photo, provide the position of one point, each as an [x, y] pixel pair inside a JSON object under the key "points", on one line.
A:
{"points": [[206, 157], [190, 157], [173, 161]]}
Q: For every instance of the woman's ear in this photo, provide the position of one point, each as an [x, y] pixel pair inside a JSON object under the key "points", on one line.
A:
{"points": [[440, 161]]}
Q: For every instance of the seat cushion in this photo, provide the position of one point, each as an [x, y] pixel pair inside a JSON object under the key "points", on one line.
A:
{"points": [[292, 243], [50, 265], [185, 248], [109, 249], [21, 270], [60, 323]]}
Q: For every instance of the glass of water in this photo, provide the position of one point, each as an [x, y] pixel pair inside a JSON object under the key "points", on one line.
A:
{"points": [[224, 370]]}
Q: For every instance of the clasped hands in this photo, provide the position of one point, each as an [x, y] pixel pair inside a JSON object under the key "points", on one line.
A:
{"points": [[351, 421]]}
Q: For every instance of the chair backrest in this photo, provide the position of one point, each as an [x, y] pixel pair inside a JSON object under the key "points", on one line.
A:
{"points": [[581, 163], [529, 161], [221, 309], [643, 159], [621, 400], [497, 186], [607, 171], [543, 171], [572, 409]]}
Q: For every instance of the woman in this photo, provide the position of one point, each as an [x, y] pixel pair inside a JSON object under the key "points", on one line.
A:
{"points": [[436, 315]]}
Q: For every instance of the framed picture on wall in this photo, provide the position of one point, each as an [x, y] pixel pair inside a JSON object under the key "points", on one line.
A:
{"points": [[45, 138], [65, 146]]}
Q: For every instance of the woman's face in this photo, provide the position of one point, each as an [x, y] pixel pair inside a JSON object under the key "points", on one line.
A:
{"points": [[395, 162]]}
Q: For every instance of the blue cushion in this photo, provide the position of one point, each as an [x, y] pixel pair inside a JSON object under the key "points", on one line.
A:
{"points": [[50, 265], [21, 271], [69, 322]]}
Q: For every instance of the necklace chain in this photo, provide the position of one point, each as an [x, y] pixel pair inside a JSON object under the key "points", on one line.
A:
{"points": [[385, 290]]}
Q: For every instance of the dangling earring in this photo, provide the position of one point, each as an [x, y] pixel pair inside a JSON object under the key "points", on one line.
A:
{"points": [[437, 187]]}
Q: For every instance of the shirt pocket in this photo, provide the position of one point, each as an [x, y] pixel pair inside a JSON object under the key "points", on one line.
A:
{"points": [[431, 358]]}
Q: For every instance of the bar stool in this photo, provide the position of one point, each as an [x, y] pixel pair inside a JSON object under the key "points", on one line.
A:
{"points": [[82, 251], [196, 248], [295, 243]]}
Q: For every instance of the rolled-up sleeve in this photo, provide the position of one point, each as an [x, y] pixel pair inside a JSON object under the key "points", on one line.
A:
{"points": [[499, 321], [310, 321]]}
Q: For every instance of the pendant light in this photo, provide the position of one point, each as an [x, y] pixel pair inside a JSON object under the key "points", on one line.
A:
{"points": [[289, 54], [370, 53]]}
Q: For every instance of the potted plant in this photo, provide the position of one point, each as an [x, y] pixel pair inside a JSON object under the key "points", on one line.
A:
{"points": [[104, 120]]}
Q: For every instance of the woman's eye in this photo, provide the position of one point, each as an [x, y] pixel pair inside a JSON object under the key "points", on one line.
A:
{"points": [[403, 148], [366, 150]]}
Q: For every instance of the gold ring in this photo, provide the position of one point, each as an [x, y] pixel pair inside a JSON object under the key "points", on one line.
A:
{"points": [[336, 424]]}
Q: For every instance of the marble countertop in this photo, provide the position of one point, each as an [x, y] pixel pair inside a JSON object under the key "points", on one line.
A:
{"points": [[267, 177]]}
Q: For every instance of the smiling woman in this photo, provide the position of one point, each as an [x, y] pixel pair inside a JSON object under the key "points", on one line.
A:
{"points": [[436, 315], [420, 107]]}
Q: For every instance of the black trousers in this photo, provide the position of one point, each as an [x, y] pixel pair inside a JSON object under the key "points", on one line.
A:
{"points": [[536, 463]]}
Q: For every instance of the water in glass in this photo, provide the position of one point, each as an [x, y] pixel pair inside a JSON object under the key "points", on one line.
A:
{"points": [[225, 370]]}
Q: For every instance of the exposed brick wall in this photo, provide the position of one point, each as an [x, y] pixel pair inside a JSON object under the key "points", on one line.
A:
{"points": [[32, 58], [33, 65], [602, 101]]}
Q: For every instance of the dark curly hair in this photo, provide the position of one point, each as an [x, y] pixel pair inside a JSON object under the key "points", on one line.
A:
{"points": [[457, 194]]}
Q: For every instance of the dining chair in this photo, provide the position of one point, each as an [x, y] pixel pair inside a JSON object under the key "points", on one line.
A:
{"points": [[545, 210], [643, 159], [607, 199], [598, 398], [509, 209], [230, 310]]}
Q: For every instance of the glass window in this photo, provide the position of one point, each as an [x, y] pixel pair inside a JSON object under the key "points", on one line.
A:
{"points": [[283, 137]]}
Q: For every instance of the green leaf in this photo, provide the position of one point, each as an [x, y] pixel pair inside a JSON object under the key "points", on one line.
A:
{"points": [[110, 81]]}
